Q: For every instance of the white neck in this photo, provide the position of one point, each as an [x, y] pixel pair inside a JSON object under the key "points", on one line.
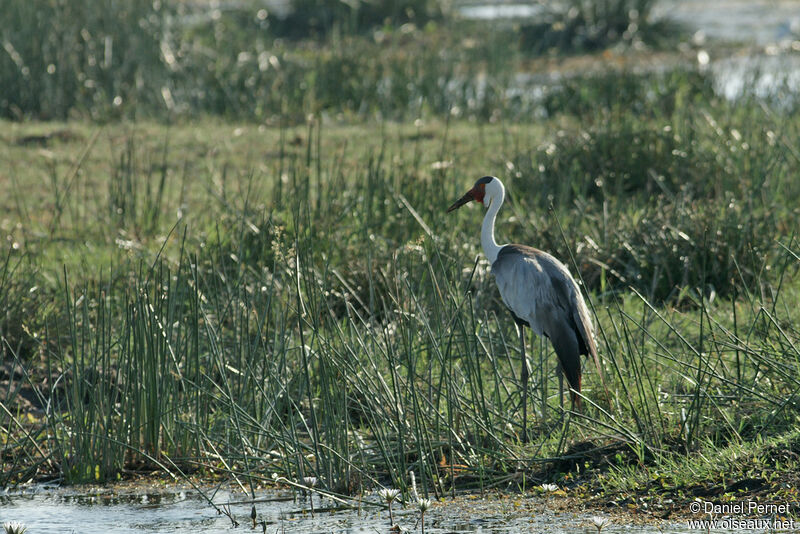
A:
{"points": [[490, 246]]}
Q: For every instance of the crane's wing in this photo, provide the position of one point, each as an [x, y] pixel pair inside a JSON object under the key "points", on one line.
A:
{"points": [[539, 289]]}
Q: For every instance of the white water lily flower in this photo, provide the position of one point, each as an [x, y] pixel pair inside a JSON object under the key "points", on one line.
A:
{"points": [[599, 522], [549, 487], [389, 494], [14, 527], [423, 505], [310, 481]]}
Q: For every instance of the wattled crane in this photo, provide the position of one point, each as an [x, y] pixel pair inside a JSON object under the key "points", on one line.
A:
{"points": [[539, 292]]}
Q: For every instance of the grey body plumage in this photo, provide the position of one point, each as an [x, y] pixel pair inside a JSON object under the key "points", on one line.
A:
{"points": [[538, 289]]}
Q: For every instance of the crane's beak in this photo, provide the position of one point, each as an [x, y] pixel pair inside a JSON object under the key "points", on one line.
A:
{"points": [[468, 197]]}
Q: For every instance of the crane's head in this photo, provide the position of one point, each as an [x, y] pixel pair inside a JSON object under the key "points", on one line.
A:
{"points": [[483, 187]]}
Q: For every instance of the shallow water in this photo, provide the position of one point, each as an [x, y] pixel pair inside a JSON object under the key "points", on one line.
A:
{"points": [[770, 69], [752, 21], [90, 511], [764, 76]]}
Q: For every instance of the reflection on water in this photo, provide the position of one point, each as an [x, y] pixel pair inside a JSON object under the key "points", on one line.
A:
{"points": [[773, 77], [753, 21], [51, 510], [771, 71], [489, 11]]}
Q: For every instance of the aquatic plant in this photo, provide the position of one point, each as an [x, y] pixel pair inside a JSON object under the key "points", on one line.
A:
{"points": [[388, 495], [308, 484], [14, 527], [599, 523], [422, 506], [589, 25], [318, 18]]}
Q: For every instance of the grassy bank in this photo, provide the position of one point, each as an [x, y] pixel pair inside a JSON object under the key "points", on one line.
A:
{"points": [[213, 298]]}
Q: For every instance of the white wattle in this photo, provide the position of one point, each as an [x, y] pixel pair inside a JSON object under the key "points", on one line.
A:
{"points": [[490, 246]]}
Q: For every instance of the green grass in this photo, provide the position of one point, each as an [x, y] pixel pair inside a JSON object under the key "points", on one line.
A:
{"points": [[242, 300], [379, 60], [170, 59], [208, 297]]}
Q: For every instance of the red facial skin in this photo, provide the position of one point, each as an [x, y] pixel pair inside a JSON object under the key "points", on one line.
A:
{"points": [[476, 193]]}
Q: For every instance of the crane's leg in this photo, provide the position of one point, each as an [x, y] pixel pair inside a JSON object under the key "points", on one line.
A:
{"points": [[543, 376], [560, 387], [524, 375]]}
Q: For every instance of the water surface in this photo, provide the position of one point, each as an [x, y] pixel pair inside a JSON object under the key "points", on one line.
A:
{"points": [[751, 21], [96, 510]]}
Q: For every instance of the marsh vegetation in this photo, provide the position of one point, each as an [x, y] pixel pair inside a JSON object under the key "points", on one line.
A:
{"points": [[226, 255]]}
